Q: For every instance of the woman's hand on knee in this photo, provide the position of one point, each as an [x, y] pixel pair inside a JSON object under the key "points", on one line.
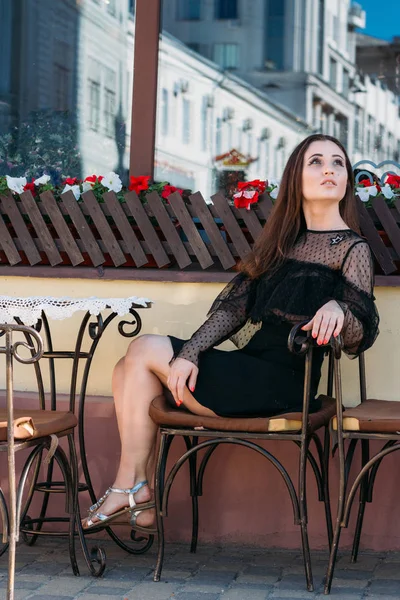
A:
{"points": [[182, 372]]}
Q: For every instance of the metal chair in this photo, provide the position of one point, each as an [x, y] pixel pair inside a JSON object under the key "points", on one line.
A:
{"points": [[37, 429], [300, 428], [370, 420]]}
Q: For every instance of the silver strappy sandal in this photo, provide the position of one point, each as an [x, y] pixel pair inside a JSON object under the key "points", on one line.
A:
{"points": [[134, 516], [103, 520]]}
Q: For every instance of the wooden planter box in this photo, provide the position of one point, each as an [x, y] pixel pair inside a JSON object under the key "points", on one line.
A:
{"points": [[178, 235]]}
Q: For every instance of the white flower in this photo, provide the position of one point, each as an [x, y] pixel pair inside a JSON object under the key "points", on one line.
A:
{"points": [[275, 191], [363, 193], [112, 182], [16, 184], [86, 186], [75, 189], [373, 190], [387, 191], [42, 180]]}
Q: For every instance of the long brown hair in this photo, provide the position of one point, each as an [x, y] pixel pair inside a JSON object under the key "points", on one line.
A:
{"points": [[287, 219]]}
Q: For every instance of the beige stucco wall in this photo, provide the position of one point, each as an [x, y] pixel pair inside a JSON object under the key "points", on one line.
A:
{"points": [[179, 309]]}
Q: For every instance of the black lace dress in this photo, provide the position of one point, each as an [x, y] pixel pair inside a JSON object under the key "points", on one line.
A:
{"points": [[262, 377]]}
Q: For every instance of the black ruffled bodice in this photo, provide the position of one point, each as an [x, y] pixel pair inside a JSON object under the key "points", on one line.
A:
{"points": [[323, 266]]}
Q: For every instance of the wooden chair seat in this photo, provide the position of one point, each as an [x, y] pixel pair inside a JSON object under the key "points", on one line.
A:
{"points": [[372, 416], [30, 424], [165, 415]]}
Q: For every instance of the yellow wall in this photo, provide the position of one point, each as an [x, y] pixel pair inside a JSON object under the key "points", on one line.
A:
{"points": [[179, 308]]}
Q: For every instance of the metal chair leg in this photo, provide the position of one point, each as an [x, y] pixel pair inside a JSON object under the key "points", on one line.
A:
{"points": [[339, 520], [303, 515], [97, 554], [363, 498], [165, 443], [193, 492], [13, 529], [31, 539], [70, 482], [325, 474], [322, 477], [342, 482]]}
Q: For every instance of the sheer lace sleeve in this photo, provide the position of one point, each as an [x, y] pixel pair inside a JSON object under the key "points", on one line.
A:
{"points": [[227, 315], [355, 296]]}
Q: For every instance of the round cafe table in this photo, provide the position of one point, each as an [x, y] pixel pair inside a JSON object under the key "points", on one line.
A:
{"points": [[97, 314]]}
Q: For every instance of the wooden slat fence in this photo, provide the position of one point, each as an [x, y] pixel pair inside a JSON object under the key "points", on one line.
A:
{"points": [[196, 234]]}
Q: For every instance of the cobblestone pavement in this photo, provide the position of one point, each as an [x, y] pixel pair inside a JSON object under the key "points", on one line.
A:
{"points": [[213, 573]]}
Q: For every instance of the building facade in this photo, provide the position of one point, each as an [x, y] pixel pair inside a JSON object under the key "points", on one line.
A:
{"points": [[303, 55]]}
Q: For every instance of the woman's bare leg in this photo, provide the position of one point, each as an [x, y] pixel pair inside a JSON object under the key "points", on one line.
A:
{"points": [[137, 379]]}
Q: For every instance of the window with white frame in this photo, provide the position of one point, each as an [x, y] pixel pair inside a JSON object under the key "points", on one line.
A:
{"points": [[109, 112], [94, 104], [370, 134], [164, 112], [249, 143], [321, 36], [333, 72], [268, 157], [380, 138], [188, 10], [205, 122], [240, 138], [390, 147], [343, 130], [336, 28], [358, 130], [186, 121], [345, 83], [109, 107], [226, 55], [218, 136]]}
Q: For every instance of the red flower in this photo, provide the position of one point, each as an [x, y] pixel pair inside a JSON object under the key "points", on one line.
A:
{"points": [[170, 189], [393, 180], [93, 178], [71, 181], [29, 187], [365, 181], [139, 184], [256, 184], [245, 198]]}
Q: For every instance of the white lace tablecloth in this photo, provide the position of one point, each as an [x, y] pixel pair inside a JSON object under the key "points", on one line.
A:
{"points": [[30, 309]]}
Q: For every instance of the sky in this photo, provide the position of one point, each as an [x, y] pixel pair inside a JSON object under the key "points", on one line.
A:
{"points": [[383, 18]]}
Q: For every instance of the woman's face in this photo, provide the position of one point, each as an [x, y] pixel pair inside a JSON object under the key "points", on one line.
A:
{"points": [[324, 173]]}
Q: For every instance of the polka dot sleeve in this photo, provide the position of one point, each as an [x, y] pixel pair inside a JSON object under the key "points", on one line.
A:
{"points": [[354, 294], [228, 314]]}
